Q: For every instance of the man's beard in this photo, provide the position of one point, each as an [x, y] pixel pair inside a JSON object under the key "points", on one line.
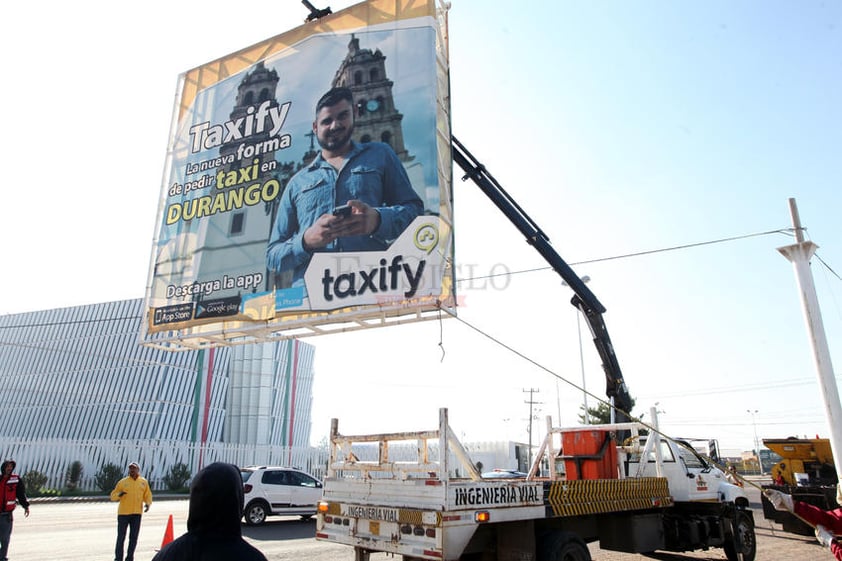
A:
{"points": [[336, 140]]}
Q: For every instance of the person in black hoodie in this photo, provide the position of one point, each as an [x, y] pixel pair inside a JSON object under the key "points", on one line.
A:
{"points": [[213, 523]]}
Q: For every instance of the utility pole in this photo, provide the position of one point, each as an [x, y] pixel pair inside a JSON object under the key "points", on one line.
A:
{"points": [[799, 255], [756, 441], [532, 403]]}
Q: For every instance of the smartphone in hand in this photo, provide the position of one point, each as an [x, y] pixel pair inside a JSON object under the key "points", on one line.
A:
{"points": [[342, 210]]}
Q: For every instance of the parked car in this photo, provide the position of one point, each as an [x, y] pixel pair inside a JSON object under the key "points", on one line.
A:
{"points": [[271, 490]]}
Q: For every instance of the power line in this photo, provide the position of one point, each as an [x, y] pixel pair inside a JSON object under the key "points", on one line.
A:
{"points": [[531, 361], [784, 231], [828, 267], [742, 388]]}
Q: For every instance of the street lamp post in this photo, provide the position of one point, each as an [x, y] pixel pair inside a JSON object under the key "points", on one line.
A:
{"points": [[756, 441]]}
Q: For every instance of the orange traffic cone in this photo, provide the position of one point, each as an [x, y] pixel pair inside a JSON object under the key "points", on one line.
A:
{"points": [[168, 537]]}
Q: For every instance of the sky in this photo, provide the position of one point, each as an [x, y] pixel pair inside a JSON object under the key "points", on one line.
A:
{"points": [[657, 145]]}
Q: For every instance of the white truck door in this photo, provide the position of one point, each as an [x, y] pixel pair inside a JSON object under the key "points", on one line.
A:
{"points": [[701, 480]]}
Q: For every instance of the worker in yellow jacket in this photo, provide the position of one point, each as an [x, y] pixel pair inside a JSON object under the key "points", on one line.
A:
{"points": [[135, 496]]}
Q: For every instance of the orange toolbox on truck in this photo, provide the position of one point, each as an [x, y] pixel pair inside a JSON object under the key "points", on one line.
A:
{"points": [[589, 454]]}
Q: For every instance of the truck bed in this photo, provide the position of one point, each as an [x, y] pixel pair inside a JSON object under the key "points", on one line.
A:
{"points": [[417, 509]]}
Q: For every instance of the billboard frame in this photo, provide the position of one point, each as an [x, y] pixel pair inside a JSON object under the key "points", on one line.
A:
{"points": [[304, 323]]}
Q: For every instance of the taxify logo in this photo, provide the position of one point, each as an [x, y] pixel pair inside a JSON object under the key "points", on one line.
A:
{"points": [[387, 277]]}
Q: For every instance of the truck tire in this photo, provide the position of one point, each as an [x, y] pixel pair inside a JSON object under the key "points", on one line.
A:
{"points": [[746, 542], [563, 546]]}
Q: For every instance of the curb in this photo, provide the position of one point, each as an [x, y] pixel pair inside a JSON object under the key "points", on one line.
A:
{"points": [[103, 498]]}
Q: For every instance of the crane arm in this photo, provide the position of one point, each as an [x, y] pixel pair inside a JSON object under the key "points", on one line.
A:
{"points": [[584, 300]]}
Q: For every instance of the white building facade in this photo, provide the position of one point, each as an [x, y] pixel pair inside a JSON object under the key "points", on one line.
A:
{"points": [[80, 387]]}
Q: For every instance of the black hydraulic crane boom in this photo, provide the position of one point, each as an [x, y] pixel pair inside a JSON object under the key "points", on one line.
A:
{"points": [[584, 299]]}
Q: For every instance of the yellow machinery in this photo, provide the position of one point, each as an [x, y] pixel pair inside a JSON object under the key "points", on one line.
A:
{"points": [[806, 471], [811, 457]]}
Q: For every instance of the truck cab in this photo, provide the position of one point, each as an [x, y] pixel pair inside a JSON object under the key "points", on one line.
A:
{"points": [[691, 477]]}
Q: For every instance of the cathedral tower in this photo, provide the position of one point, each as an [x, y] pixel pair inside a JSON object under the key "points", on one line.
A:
{"points": [[376, 118]]}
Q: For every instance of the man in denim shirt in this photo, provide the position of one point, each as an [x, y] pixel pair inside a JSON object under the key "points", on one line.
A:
{"points": [[368, 178]]}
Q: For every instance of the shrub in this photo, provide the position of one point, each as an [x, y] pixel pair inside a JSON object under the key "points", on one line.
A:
{"points": [[108, 476], [73, 476], [176, 479], [34, 481]]}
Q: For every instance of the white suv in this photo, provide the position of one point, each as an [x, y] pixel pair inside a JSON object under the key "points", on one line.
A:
{"points": [[278, 491]]}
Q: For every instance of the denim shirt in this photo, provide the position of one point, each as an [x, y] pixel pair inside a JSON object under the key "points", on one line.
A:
{"points": [[373, 174]]}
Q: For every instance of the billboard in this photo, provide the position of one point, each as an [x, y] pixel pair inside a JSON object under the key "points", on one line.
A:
{"points": [[307, 185]]}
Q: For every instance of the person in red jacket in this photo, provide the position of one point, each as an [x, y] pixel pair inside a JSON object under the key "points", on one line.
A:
{"points": [[828, 523], [12, 491]]}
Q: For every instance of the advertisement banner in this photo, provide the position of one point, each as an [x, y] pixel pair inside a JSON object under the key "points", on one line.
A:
{"points": [[308, 180]]}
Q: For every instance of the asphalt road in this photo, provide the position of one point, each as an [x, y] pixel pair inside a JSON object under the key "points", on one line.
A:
{"points": [[86, 532]]}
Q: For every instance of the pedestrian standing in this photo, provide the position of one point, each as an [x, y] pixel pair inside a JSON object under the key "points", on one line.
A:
{"points": [[214, 529], [135, 496], [12, 491]]}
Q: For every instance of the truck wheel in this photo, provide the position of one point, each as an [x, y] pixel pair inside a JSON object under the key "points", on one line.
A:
{"points": [[563, 546], [746, 543]]}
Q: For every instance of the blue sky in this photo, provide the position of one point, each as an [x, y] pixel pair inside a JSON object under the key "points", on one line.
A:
{"points": [[621, 127]]}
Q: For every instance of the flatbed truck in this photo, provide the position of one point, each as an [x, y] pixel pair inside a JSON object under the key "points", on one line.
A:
{"points": [[419, 495]]}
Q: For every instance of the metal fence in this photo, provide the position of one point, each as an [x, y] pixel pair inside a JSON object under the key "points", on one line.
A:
{"points": [[53, 457]]}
